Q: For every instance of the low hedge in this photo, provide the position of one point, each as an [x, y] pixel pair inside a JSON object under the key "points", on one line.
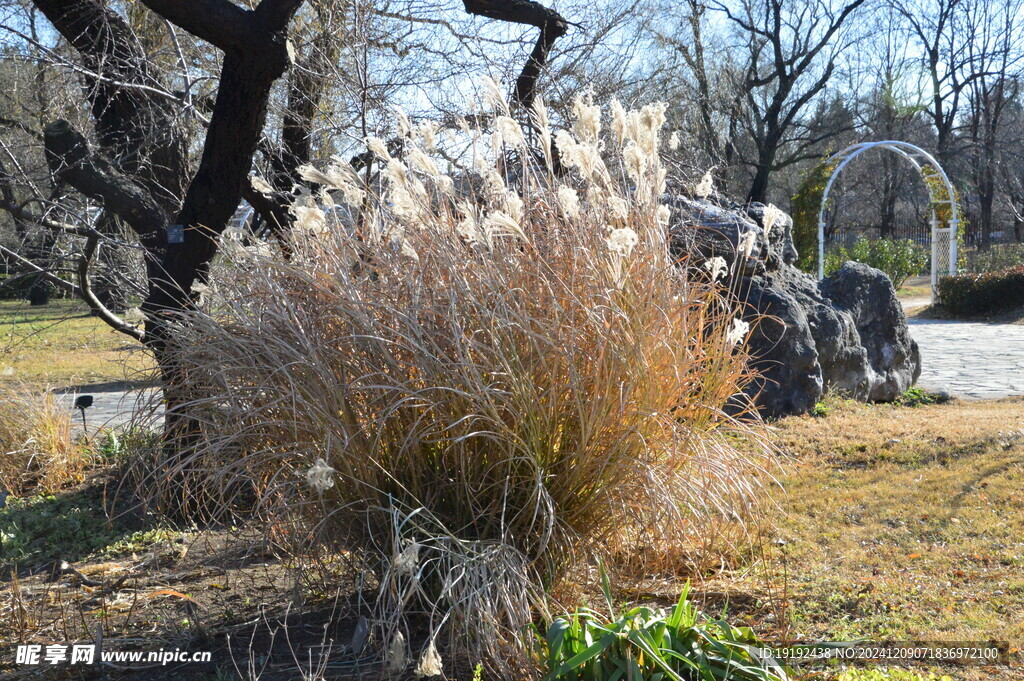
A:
{"points": [[977, 294]]}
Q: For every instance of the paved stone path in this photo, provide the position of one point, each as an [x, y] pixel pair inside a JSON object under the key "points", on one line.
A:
{"points": [[970, 359], [967, 359], [112, 406]]}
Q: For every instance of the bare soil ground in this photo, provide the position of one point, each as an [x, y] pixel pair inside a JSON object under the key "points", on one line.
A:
{"points": [[131, 583]]}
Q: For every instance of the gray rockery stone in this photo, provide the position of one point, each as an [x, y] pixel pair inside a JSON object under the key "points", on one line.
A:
{"points": [[701, 230], [847, 333], [868, 296]]}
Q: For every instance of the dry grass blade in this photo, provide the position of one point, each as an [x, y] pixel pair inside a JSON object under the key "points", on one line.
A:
{"points": [[36, 448]]}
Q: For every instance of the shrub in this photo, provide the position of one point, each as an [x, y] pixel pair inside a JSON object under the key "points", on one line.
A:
{"points": [[915, 397], [900, 263], [480, 393], [899, 259], [996, 257], [36, 450], [979, 294], [15, 287]]}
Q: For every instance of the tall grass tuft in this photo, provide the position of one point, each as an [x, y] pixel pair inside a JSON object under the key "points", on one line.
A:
{"points": [[483, 389], [36, 447]]}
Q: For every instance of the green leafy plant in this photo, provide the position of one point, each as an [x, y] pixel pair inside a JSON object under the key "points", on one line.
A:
{"points": [[943, 209], [891, 674], [805, 205], [820, 409], [978, 294], [118, 446], [40, 529], [899, 259], [915, 397], [996, 257], [654, 644], [141, 540]]}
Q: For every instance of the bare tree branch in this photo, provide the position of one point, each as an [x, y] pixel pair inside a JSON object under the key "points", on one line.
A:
{"points": [[86, 293], [71, 161], [552, 27], [218, 22], [46, 274]]}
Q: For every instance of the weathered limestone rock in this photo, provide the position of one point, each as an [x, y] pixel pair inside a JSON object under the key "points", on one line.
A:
{"points": [[867, 294], [847, 333], [779, 246], [708, 231], [789, 379]]}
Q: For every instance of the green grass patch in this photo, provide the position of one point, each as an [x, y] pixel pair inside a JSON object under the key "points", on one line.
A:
{"points": [[915, 397], [890, 674], [44, 529], [62, 344]]}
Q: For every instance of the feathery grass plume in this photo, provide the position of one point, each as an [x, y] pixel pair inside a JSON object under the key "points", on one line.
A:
{"points": [[378, 147], [339, 176], [705, 187], [508, 131], [422, 163], [405, 127], [747, 244], [494, 96], [261, 185], [717, 267], [618, 121], [772, 216], [569, 200], [542, 386], [539, 116], [425, 135], [588, 118]]}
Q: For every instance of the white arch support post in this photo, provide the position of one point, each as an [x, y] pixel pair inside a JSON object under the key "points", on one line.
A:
{"points": [[943, 242]]}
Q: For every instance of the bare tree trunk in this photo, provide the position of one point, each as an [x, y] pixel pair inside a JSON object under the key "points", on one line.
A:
{"points": [[142, 160], [766, 152], [887, 210], [986, 187]]}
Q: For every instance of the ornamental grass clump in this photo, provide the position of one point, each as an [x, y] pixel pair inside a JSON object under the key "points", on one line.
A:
{"points": [[37, 453], [480, 389]]}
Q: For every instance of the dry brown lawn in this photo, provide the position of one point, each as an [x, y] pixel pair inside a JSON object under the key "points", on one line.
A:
{"points": [[904, 523]]}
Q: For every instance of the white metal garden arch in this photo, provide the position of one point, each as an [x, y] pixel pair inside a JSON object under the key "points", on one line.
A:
{"points": [[943, 238]]}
